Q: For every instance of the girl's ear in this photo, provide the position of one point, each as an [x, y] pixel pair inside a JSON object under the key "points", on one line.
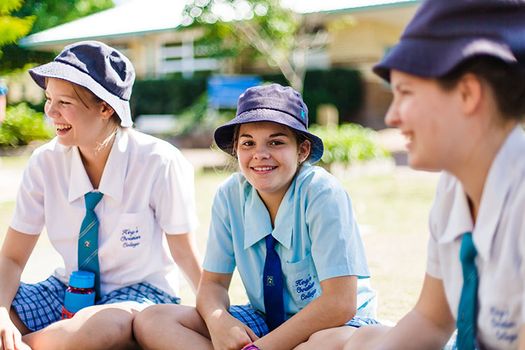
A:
{"points": [[106, 110], [471, 91], [304, 150]]}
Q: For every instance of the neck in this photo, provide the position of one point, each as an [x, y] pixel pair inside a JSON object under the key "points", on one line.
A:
{"points": [[95, 159], [272, 202], [473, 171]]}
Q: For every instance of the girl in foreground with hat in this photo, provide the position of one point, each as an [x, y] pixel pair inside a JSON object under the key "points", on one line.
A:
{"points": [[137, 190], [458, 79], [287, 226]]}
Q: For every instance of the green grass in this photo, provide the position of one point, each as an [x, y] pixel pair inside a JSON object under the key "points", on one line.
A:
{"points": [[391, 206]]}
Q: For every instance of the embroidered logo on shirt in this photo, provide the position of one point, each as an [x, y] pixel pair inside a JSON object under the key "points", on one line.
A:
{"points": [[305, 287], [130, 238], [505, 328]]}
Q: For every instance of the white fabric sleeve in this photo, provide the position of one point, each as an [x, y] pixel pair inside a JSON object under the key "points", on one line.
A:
{"points": [[29, 215], [174, 196], [433, 263]]}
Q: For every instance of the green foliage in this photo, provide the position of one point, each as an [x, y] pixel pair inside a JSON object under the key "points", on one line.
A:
{"points": [[341, 87], [198, 117], [12, 28], [45, 14], [23, 125], [246, 29], [348, 144], [239, 21], [51, 13], [166, 96]]}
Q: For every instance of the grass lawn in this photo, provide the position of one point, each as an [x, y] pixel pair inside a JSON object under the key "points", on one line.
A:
{"points": [[391, 205]]}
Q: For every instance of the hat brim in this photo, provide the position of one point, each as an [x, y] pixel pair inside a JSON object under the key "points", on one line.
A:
{"points": [[224, 134], [434, 58], [66, 72]]}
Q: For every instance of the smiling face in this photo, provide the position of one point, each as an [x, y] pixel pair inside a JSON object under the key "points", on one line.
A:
{"points": [[269, 157], [79, 118], [430, 119]]}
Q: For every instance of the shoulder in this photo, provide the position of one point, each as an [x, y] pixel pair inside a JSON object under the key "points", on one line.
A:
{"points": [[313, 179], [49, 154], [235, 186], [151, 149], [447, 187]]}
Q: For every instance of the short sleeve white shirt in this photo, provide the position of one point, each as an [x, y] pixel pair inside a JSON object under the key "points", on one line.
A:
{"points": [[499, 237], [148, 189]]}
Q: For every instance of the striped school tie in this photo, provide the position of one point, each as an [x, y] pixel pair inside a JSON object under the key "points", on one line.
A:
{"points": [[88, 239], [273, 286], [468, 304]]}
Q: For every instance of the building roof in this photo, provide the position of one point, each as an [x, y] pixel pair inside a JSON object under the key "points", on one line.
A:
{"points": [[140, 17], [133, 17]]}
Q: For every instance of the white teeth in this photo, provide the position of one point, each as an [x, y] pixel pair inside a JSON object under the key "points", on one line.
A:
{"points": [[265, 168], [62, 126]]}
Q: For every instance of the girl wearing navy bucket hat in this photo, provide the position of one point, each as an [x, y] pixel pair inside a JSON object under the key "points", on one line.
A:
{"points": [[289, 229], [110, 199], [458, 79]]}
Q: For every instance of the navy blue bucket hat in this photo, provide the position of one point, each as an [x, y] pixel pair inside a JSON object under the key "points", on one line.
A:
{"points": [[99, 68], [270, 103], [444, 34]]}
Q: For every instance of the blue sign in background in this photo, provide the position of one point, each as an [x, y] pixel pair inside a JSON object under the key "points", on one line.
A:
{"points": [[224, 90]]}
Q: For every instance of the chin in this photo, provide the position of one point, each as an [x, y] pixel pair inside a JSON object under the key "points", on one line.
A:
{"points": [[418, 164]]}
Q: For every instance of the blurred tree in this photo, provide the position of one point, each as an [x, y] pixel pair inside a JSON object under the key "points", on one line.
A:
{"points": [[45, 14], [12, 28], [235, 28]]}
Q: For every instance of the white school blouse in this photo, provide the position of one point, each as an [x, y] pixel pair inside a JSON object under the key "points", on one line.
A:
{"points": [[148, 189], [499, 237]]}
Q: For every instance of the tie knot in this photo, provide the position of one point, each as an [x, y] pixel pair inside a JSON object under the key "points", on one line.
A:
{"points": [[468, 251], [92, 199], [270, 242]]}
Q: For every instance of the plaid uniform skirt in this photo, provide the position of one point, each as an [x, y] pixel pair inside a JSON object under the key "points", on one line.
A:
{"points": [[257, 323], [39, 305]]}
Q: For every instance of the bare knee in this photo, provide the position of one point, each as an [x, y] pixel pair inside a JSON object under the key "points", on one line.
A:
{"points": [[108, 329], [332, 338], [366, 337], [151, 322]]}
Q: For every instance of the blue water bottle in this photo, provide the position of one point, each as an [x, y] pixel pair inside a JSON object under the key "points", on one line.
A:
{"points": [[79, 294]]}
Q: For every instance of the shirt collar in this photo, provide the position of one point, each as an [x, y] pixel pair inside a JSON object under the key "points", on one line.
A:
{"points": [[258, 223], [495, 192], [79, 183], [460, 220], [112, 182]]}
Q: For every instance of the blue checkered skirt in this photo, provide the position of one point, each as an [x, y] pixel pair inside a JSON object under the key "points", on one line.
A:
{"points": [[257, 323], [39, 305]]}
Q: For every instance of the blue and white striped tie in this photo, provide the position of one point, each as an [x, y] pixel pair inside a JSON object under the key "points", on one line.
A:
{"points": [[88, 239], [468, 303]]}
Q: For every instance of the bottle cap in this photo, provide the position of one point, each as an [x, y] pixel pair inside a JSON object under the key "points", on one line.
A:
{"points": [[82, 279]]}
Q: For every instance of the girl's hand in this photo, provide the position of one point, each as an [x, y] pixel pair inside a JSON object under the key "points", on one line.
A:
{"points": [[10, 336], [228, 333]]}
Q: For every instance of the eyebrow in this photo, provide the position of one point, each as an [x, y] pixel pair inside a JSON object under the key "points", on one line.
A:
{"points": [[60, 95], [279, 134], [400, 84], [272, 135]]}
